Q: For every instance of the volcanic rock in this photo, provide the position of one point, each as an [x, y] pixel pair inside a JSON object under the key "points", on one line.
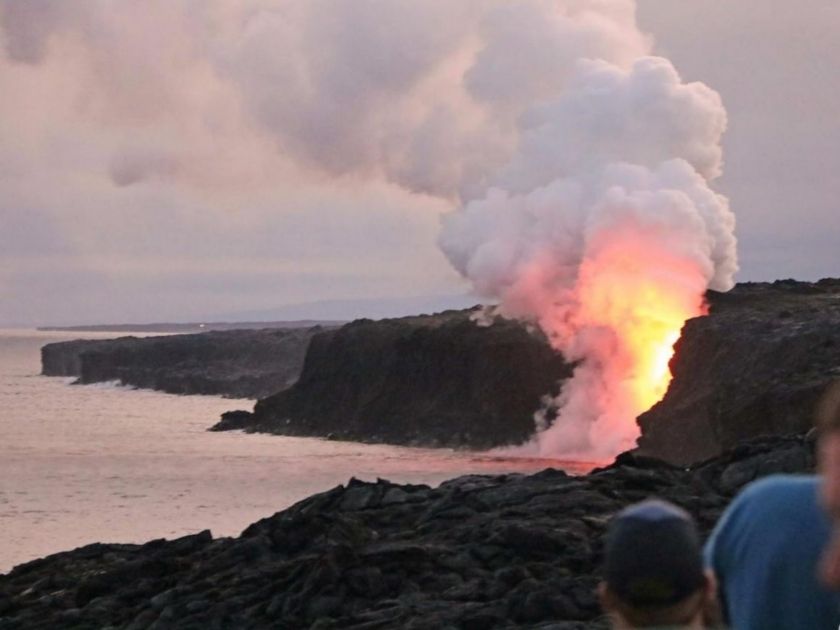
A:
{"points": [[506, 551], [437, 380], [756, 365], [235, 363]]}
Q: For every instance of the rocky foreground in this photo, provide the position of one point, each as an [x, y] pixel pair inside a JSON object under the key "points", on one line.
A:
{"points": [[234, 363], [481, 552]]}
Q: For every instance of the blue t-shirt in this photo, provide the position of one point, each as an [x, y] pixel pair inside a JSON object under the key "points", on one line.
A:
{"points": [[765, 550]]}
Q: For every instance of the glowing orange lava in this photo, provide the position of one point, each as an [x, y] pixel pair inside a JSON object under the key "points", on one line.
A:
{"points": [[640, 297]]}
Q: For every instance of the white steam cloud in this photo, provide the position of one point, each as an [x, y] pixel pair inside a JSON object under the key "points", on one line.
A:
{"points": [[579, 163], [426, 95], [603, 229]]}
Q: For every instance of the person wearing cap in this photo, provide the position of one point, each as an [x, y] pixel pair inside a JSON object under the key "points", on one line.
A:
{"points": [[772, 552], [653, 570]]}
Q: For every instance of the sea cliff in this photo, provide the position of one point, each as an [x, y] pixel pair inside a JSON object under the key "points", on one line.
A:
{"points": [[436, 380], [756, 365], [236, 363]]}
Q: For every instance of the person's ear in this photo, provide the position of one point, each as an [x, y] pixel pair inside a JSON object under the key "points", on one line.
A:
{"points": [[711, 584], [712, 610], [829, 566], [604, 595], [609, 604], [828, 464]]}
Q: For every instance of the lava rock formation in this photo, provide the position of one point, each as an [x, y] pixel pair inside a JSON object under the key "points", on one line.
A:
{"points": [[756, 365], [509, 551], [437, 380], [236, 363]]}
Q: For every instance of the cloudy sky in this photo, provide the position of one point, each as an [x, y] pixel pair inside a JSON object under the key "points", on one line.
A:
{"points": [[180, 160]]}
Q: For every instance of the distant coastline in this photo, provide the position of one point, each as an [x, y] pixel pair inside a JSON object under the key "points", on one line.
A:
{"points": [[191, 327]]}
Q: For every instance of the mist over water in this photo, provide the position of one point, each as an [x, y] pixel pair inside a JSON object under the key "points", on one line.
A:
{"points": [[102, 463]]}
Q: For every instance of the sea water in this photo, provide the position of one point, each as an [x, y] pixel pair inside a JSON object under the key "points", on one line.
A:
{"points": [[106, 463]]}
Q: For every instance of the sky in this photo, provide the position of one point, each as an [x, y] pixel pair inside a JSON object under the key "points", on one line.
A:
{"points": [[172, 160]]}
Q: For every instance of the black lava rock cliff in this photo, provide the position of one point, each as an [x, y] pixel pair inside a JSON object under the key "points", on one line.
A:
{"points": [[755, 366], [236, 363], [437, 380]]}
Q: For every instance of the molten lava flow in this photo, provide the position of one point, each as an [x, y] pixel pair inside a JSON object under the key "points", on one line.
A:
{"points": [[645, 313], [633, 296]]}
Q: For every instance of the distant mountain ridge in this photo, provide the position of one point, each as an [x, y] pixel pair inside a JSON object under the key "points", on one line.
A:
{"points": [[302, 315], [350, 309], [192, 327]]}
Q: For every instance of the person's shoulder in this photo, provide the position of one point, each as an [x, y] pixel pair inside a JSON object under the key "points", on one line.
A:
{"points": [[777, 502], [781, 483], [781, 487]]}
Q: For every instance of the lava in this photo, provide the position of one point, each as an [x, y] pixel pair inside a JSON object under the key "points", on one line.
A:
{"points": [[641, 297]]}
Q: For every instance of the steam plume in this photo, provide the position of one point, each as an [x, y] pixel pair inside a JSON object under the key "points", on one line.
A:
{"points": [[607, 234]]}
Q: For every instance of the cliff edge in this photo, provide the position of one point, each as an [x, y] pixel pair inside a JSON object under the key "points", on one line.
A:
{"points": [[756, 365], [235, 363], [439, 380]]}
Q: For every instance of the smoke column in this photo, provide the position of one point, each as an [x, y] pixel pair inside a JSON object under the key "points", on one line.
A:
{"points": [[577, 164], [605, 232]]}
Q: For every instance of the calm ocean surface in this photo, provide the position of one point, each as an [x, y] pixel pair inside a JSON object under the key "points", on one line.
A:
{"points": [[81, 464]]}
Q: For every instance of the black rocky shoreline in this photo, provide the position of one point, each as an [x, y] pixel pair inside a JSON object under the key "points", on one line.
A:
{"points": [[479, 551]]}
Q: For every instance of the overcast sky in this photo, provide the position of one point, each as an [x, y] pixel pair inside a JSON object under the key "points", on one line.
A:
{"points": [[147, 172]]}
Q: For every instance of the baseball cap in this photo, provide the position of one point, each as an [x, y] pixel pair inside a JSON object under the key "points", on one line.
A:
{"points": [[652, 555]]}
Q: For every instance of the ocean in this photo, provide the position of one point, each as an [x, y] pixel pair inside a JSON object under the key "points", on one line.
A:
{"points": [[106, 463]]}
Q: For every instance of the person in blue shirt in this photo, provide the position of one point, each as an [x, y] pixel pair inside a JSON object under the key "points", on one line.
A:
{"points": [[774, 552], [765, 553]]}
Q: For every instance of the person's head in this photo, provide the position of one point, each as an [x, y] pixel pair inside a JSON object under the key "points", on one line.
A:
{"points": [[653, 569], [828, 460]]}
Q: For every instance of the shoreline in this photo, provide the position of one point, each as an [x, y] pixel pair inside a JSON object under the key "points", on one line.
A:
{"points": [[75, 460], [491, 551]]}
